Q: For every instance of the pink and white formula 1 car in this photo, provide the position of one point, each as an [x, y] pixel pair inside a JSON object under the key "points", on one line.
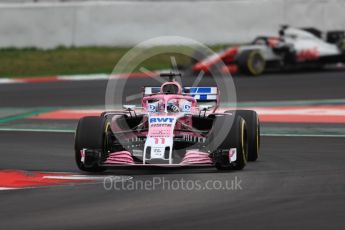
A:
{"points": [[173, 129]]}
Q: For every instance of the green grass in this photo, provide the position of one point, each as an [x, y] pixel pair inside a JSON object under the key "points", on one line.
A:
{"points": [[85, 60], [36, 62]]}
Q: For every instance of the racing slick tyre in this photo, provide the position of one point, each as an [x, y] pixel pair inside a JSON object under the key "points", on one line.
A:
{"points": [[341, 46], [90, 134], [236, 138], [253, 131], [251, 62]]}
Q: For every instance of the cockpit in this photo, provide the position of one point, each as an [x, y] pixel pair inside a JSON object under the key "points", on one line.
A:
{"points": [[169, 104]]}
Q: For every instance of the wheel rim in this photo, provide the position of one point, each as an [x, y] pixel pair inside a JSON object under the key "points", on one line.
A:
{"points": [[244, 142], [256, 63]]}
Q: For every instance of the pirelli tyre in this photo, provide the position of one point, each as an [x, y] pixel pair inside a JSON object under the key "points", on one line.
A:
{"points": [[236, 139], [251, 62], [90, 134], [253, 131], [341, 46]]}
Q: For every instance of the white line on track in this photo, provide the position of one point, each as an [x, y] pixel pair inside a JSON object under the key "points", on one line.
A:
{"points": [[84, 177], [84, 77], [7, 188], [37, 130], [301, 135]]}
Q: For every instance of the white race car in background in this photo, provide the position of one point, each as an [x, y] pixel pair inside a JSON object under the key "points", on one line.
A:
{"points": [[293, 48]]}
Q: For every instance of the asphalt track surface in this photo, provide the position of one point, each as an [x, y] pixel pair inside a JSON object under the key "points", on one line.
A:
{"points": [[270, 87], [298, 182]]}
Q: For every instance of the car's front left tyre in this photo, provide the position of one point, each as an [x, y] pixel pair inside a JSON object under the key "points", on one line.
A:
{"points": [[235, 140], [253, 131]]}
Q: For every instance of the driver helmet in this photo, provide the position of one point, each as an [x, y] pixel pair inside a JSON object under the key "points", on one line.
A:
{"points": [[179, 105]]}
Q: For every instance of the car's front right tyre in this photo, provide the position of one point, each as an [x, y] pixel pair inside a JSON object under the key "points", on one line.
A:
{"points": [[90, 134]]}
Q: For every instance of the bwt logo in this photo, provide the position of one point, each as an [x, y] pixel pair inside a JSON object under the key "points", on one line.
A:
{"points": [[161, 120]]}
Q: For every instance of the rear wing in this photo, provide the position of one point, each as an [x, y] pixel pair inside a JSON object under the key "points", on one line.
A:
{"points": [[148, 91], [201, 94]]}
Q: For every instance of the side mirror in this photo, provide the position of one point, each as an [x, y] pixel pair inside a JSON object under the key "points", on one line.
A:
{"points": [[129, 107]]}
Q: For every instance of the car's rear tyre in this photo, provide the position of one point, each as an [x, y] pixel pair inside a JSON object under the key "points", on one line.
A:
{"points": [[90, 134], [251, 62], [236, 138], [341, 46], [253, 131]]}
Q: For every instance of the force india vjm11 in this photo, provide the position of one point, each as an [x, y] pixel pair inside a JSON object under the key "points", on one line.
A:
{"points": [[294, 48], [175, 128]]}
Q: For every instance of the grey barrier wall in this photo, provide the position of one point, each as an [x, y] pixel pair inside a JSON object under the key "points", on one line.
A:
{"points": [[125, 23]]}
